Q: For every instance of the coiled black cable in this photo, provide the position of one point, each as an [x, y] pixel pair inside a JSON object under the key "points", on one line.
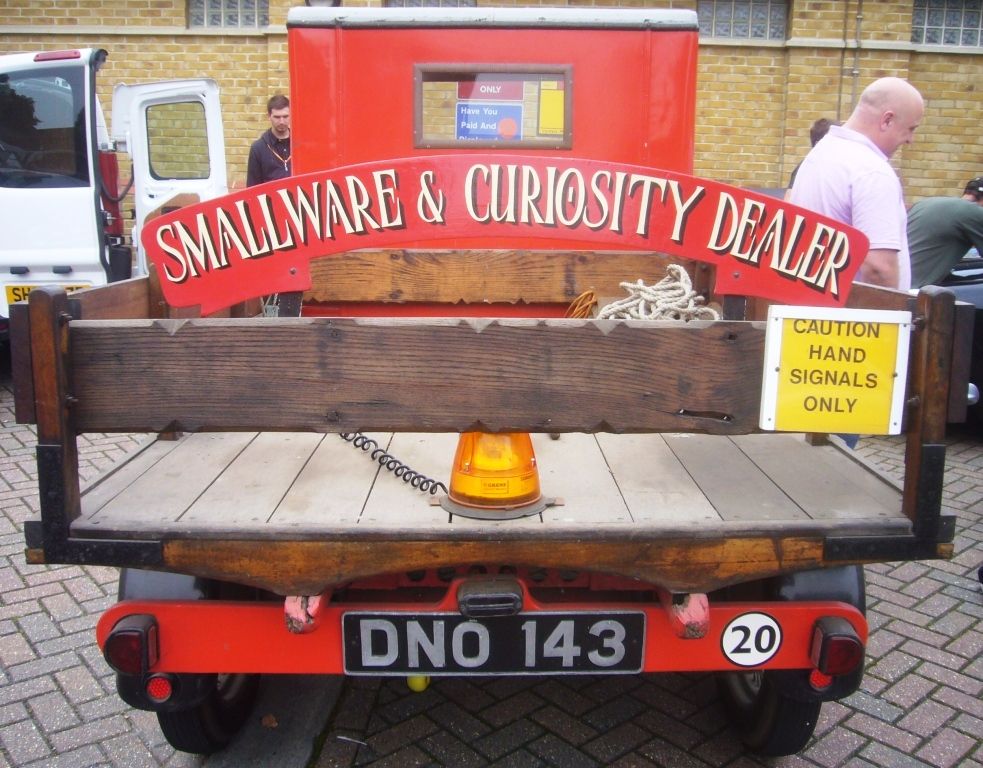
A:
{"points": [[387, 461]]}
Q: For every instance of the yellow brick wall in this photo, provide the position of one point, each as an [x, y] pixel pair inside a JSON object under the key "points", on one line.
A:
{"points": [[817, 20], [113, 13], [755, 101], [738, 113], [948, 150]]}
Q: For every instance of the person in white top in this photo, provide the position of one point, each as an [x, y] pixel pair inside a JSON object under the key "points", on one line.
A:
{"points": [[848, 177]]}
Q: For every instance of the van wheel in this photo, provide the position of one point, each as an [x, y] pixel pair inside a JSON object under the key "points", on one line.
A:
{"points": [[770, 723], [211, 725]]}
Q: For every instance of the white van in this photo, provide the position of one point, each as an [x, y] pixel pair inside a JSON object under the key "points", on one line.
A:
{"points": [[60, 191]]}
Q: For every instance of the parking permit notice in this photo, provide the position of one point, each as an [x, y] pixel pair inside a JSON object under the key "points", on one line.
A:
{"points": [[835, 370]]}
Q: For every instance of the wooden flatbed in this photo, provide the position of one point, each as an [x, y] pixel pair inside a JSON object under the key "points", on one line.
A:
{"points": [[660, 470], [270, 485], [734, 505]]}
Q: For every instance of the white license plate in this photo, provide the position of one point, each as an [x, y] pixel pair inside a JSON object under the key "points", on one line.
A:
{"points": [[539, 643], [21, 292]]}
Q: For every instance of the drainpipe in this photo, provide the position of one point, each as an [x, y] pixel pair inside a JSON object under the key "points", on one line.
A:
{"points": [[839, 86], [855, 69], [855, 72]]}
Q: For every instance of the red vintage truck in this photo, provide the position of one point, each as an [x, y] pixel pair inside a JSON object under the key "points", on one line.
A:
{"points": [[467, 182]]}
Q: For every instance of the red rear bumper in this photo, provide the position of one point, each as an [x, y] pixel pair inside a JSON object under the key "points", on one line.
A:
{"points": [[215, 636]]}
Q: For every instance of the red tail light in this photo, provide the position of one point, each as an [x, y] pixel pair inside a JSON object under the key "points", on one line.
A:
{"points": [[836, 647], [819, 680], [159, 688], [131, 648]]}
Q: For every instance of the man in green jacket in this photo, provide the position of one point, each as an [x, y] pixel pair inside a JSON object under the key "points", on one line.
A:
{"points": [[941, 230]]}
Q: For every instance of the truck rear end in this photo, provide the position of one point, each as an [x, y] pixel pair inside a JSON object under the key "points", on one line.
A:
{"points": [[465, 176]]}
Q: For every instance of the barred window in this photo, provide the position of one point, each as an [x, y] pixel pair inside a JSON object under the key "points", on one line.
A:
{"points": [[743, 19], [947, 22], [228, 13]]}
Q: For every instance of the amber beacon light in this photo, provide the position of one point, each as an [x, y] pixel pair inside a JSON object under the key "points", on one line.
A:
{"points": [[494, 477]]}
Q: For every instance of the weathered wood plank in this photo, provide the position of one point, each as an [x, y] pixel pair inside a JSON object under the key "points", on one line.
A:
{"points": [[21, 368], [573, 470], [248, 491], [121, 476], [368, 375], [862, 296], [484, 275], [820, 479], [962, 360], [57, 450], [655, 485], [681, 564], [283, 485], [331, 489], [394, 504], [123, 300], [161, 495], [928, 393], [731, 482]]}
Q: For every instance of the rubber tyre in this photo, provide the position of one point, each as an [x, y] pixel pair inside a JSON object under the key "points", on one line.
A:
{"points": [[211, 725], [770, 723]]}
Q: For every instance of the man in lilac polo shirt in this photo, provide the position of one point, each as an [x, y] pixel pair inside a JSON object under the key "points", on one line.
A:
{"points": [[848, 177]]}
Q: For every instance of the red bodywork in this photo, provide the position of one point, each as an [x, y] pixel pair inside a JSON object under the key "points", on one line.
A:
{"points": [[633, 93], [206, 636]]}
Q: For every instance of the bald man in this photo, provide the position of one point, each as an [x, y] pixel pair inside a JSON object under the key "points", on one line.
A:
{"points": [[848, 177]]}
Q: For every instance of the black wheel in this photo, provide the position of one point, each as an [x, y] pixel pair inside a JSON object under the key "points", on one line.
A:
{"points": [[770, 723], [211, 725]]}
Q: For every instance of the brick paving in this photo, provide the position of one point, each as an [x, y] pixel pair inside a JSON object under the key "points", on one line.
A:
{"points": [[921, 703], [58, 702]]}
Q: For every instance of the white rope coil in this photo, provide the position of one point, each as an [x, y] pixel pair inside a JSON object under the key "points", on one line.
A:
{"points": [[672, 298]]}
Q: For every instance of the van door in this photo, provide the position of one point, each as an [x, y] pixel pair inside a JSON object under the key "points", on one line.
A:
{"points": [[53, 228], [173, 132]]}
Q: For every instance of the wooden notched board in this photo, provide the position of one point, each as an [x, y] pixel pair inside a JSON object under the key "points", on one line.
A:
{"points": [[413, 374]]}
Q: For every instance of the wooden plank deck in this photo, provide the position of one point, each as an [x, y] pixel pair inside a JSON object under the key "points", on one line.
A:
{"points": [[285, 485]]}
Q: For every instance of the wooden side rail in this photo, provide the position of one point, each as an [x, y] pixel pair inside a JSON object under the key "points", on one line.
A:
{"points": [[137, 298], [928, 400], [57, 450], [127, 298], [960, 338], [864, 296], [383, 276], [341, 375], [929, 376]]}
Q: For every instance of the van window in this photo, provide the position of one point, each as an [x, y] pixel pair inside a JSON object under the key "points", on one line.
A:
{"points": [[43, 128], [178, 139]]}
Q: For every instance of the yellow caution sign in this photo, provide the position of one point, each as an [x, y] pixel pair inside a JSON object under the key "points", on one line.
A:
{"points": [[835, 370]]}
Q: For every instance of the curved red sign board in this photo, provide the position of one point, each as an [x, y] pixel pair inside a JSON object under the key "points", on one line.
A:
{"points": [[259, 240]]}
